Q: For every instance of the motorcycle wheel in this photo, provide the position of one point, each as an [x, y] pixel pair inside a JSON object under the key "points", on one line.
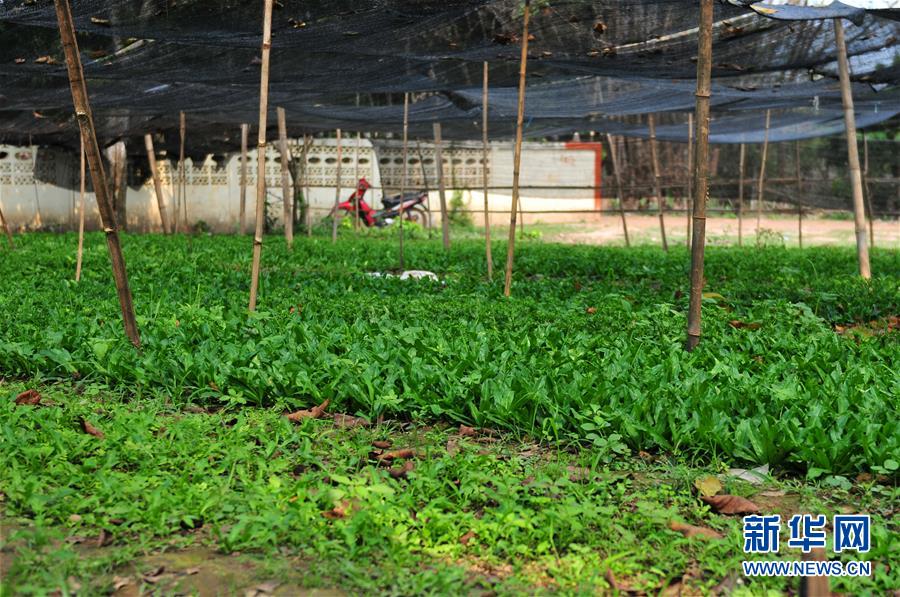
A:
{"points": [[417, 215]]}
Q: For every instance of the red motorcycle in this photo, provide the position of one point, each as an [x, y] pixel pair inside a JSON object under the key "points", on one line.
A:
{"points": [[412, 204]]}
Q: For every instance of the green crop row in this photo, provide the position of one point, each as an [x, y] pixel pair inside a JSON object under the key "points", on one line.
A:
{"points": [[589, 348]]}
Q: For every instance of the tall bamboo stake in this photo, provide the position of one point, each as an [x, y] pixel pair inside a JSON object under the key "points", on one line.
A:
{"points": [[621, 195], [337, 190], [356, 178], [157, 184], [760, 187], [868, 194], [427, 189], [245, 133], [741, 196], [405, 170], [287, 198], [690, 181], [95, 162], [80, 253], [307, 145], [799, 194], [517, 155], [261, 153], [484, 174], [657, 187], [442, 189], [182, 178], [701, 172], [862, 247]]}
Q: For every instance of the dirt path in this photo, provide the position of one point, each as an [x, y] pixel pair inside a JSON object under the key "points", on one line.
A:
{"points": [[724, 231]]}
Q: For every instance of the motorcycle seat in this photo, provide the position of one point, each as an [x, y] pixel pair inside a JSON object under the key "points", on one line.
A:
{"points": [[394, 201]]}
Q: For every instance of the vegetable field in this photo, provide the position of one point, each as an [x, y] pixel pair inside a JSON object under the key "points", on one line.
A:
{"points": [[551, 438]]}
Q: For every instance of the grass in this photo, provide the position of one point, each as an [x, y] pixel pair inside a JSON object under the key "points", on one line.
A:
{"points": [[604, 422]]}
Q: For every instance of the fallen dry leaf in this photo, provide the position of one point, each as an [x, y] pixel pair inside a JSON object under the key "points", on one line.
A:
{"points": [[45, 60], [382, 444], [689, 530], [397, 454], [312, 413], [90, 429], [743, 325], [104, 538], [401, 471], [452, 447], [708, 485], [28, 398], [615, 584], [466, 431], [464, 540], [266, 588], [349, 421], [591, 310], [155, 576], [339, 511], [731, 504]]}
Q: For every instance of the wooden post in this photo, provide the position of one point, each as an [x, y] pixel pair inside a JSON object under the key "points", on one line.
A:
{"points": [[862, 247], [760, 187], [95, 163], [182, 178], [261, 153], [442, 190], [484, 174], [337, 191], [157, 183], [356, 178], [245, 132], [427, 188], [701, 172], [690, 181], [657, 187], [618, 175], [405, 170], [868, 194], [741, 196], [799, 194], [79, 254], [287, 198], [517, 154], [307, 145]]}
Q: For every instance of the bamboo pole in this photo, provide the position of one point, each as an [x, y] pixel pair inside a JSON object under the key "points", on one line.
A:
{"points": [[701, 172], [868, 194], [689, 182], [356, 178], [517, 155], [427, 189], [182, 178], [618, 175], [287, 198], [405, 170], [657, 187], [261, 153], [442, 189], [307, 145], [862, 247], [80, 253], [741, 196], [245, 133], [157, 184], [760, 187], [337, 191], [484, 174], [799, 193], [95, 163]]}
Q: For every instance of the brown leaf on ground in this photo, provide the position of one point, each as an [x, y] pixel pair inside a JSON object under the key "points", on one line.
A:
{"points": [[382, 444], [266, 588], [467, 431], [400, 472], [339, 511], [689, 530], [28, 398], [591, 310], [464, 540], [452, 447], [45, 60], [90, 429], [731, 504], [397, 454], [312, 413], [615, 584], [349, 421], [743, 325], [104, 538], [154, 576]]}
